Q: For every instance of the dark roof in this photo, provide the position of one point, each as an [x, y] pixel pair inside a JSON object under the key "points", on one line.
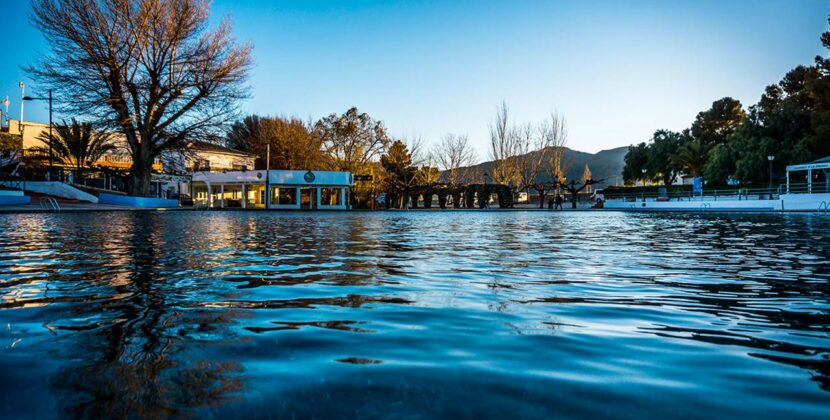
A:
{"points": [[825, 159], [202, 146]]}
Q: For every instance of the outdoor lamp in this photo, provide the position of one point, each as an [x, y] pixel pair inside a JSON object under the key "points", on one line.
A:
{"points": [[48, 98]]}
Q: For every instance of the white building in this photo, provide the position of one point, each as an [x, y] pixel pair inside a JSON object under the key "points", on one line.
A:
{"points": [[323, 190]]}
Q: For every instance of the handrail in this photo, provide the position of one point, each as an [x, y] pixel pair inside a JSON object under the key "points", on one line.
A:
{"points": [[49, 203], [805, 188], [714, 194]]}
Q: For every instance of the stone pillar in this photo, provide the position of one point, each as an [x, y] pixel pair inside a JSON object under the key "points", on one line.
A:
{"points": [[319, 194], [209, 195], [244, 196], [222, 193], [297, 197], [343, 198]]}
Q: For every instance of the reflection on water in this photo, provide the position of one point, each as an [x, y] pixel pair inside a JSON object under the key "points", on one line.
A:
{"points": [[414, 314]]}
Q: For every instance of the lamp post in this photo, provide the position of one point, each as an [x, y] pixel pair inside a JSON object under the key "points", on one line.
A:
{"points": [[22, 95], [770, 158], [644, 176], [48, 98]]}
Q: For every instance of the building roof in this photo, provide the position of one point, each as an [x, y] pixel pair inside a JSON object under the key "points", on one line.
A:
{"points": [[201, 146], [823, 163]]}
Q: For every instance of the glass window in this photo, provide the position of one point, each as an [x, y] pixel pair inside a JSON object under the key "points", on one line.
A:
{"points": [[330, 197], [284, 196]]}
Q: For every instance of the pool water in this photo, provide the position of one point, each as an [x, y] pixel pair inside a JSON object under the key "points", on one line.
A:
{"points": [[414, 314]]}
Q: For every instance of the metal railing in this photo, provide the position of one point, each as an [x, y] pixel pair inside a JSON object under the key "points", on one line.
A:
{"points": [[805, 188], [705, 195], [50, 204]]}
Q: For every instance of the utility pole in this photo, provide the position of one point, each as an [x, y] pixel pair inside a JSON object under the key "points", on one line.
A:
{"points": [[22, 94], [267, 176], [22, 101]]}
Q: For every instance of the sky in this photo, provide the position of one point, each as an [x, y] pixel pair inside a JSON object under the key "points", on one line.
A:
{"points": [[616, 70]]}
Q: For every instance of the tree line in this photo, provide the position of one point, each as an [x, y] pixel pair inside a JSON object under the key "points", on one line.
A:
{"points": [[158, 73], [523, 155], [727, 144]]}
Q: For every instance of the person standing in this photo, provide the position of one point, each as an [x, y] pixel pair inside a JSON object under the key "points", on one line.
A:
{"points": [[559, 202]]}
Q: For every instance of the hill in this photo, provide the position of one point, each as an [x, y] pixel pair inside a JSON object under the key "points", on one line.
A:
{"points": [[605, 164]]}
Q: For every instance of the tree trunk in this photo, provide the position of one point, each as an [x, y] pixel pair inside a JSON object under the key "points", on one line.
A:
{"points": [[140, 178]]}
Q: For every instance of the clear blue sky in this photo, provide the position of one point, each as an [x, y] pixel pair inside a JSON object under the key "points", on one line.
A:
{"points": [[616, 70]]}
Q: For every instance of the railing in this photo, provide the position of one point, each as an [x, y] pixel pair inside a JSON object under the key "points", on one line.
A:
{"points": [[805, 188], [12, 181], [705, 195], [50, 204]]}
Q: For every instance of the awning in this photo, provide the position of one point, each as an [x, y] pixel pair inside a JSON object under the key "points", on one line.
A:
{"points": [[823, 163]]}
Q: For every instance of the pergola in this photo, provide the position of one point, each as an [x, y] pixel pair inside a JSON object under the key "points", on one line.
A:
{"points": [[822, 164]]}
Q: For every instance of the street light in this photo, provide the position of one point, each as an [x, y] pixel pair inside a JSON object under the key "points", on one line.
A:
{"points": [[770, 158], [49, 98], [644, 176], [22, 94]]}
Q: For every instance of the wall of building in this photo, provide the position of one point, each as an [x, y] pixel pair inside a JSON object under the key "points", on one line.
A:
{"points": [[219, 161], [175, 161]]}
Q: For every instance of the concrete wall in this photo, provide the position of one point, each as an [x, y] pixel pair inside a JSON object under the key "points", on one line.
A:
{"points": [[131, 201], [13, 197], [787, 202], [56, 189], [732, 205], [805, 202]]}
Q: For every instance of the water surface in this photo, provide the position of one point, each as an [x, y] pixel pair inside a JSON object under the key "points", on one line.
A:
{"points": [[418, 314]]}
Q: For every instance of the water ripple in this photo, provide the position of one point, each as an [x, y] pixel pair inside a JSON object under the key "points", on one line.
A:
{"points": [[419, 314]]}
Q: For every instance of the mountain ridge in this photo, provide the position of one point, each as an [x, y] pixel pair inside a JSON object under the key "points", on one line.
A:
{"points": [[606, 165]]}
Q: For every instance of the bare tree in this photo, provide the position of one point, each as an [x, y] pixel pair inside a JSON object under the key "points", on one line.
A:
{"points": [[454, 156], [531, 156], [503, 148], [555, 131], [417, 150], [553, 134], [151, 69]]}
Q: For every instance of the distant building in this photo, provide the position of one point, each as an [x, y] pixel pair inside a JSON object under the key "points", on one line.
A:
{"points": [[217, 176], [323, 190], [199, 156], [31, 131]]}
